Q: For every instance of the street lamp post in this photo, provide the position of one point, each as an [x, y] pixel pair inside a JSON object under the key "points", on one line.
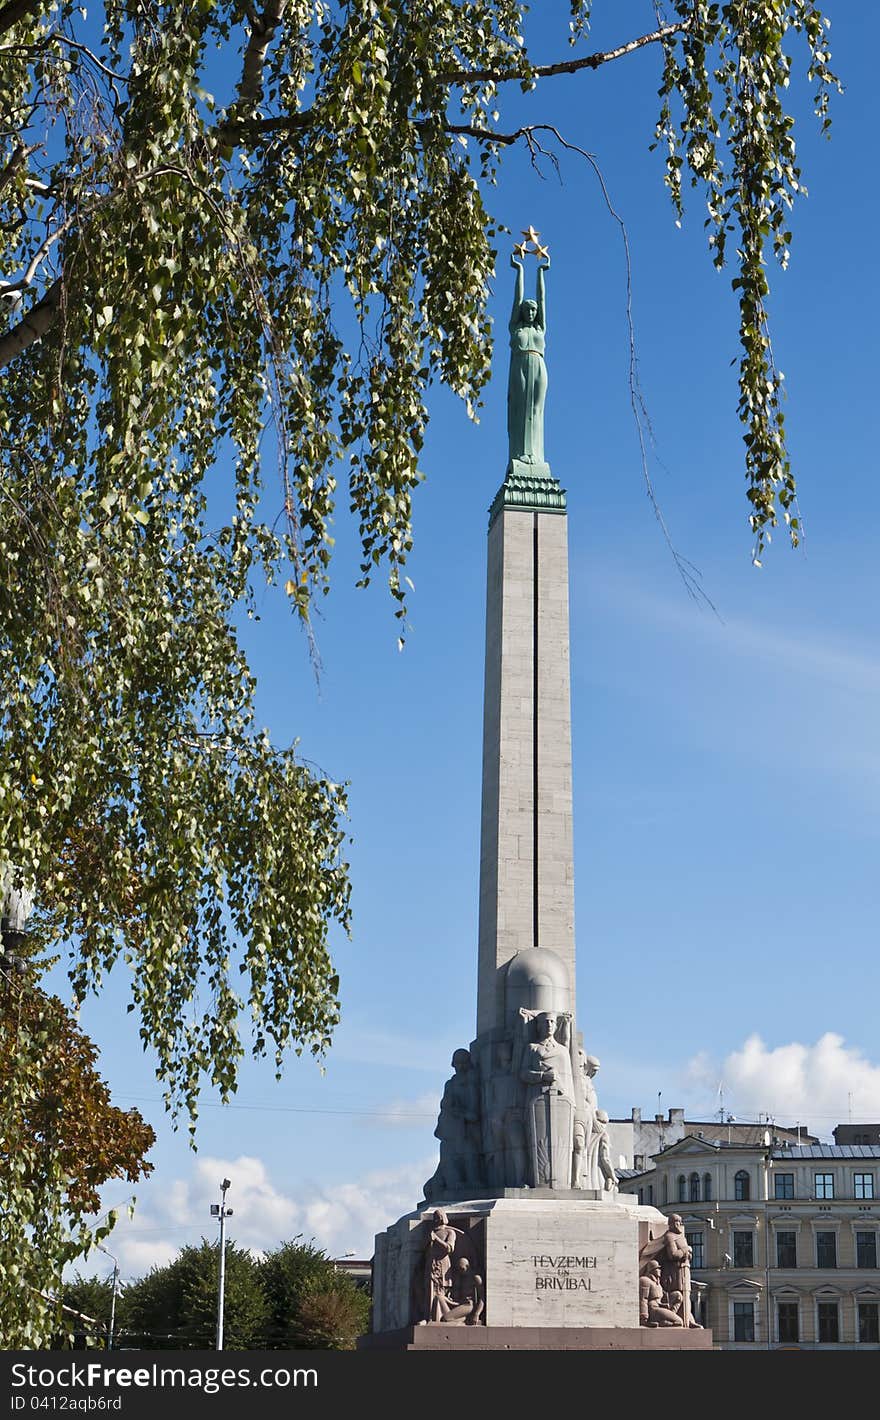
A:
{"points": [[112, 1327], [219, 1210]]}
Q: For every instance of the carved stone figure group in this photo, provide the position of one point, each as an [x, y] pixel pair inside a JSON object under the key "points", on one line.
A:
{"points": [[448, 1286], [665, 1279], [528, 1118]]}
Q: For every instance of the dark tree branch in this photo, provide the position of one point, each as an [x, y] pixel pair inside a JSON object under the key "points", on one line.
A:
{"points": [[39, 319], [17, 10], [566, 66], [238, 129]]}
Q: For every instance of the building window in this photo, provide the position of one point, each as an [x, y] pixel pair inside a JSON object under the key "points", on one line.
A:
{"points": [[682, 1188], [829, 1326], [869, 1323], [650, 1193], [741, 1189], [864, 1185], [743, 1321], [786, 1249], [707, 1188], [695, 1242], [787, 1321], [783, 1185], [824, 1185], [866, 1249], [743, 1249], [826, 1249], [695, 1188]]}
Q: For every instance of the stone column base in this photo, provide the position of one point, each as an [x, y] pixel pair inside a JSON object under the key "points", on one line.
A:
{"points": [[543, 1338]]}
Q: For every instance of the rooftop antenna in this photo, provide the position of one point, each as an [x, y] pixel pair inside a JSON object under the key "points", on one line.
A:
{"points": [[849, 1106]]}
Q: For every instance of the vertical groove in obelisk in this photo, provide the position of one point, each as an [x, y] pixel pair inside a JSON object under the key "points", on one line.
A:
{"points": [[526, 868]]}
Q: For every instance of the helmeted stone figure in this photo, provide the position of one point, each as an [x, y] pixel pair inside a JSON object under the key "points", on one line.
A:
{"points": [[673, 1254], [550, 1100]]}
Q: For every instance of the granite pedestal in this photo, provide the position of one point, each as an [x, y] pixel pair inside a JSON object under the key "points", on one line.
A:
{"points": [[561, 1273]]}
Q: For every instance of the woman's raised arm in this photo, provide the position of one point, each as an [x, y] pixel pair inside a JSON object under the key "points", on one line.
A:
{"points": [[541, 317], [518, 293]]}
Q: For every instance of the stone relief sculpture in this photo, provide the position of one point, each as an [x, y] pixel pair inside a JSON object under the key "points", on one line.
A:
{"points": [[466, 1302], [448, 1286], [528, 1119], [520, 1109], [546, 1070], [655, 1308], [585, 1122], [458, 1129], [672, 1254], [603, 1150], [505, 1130], [592, 1161], [527, 380]]}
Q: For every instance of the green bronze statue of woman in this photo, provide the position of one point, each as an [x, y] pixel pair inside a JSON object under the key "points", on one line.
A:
{"points": [[527, 383]]}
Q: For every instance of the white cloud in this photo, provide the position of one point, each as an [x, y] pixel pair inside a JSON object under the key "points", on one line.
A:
{"points": [[341, 1218], [818, 1084]]}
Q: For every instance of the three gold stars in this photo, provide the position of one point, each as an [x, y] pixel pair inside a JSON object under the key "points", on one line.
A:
{"points": [[531, 246]]}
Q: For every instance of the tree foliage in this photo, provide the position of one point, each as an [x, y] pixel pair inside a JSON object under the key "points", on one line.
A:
{"points": [[293, 1298], [312, 1305], [60, 1140], [215, 219], [88, 1305], [175, 1306]]}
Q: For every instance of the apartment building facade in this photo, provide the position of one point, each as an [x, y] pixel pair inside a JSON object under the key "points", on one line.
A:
{"points": [[785, 1238]]}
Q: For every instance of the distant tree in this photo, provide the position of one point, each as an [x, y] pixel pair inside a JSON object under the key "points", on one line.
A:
{"points": [[175, 1306], [311, 1304], [293, 1297], [88, 1304], [331, 1315]]}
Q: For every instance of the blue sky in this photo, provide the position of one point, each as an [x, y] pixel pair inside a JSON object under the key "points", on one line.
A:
{"points": [[726, 766]]}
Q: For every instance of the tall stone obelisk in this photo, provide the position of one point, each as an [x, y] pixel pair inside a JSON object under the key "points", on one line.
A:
{"points": [[526, 853], [524, 1239]]}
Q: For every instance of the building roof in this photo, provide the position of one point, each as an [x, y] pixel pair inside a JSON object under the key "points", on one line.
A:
{"points": [[692, 1145], [828, 1151]]}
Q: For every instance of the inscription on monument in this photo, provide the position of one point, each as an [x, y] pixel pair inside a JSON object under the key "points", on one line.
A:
{"points": [[554, 1273]]}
